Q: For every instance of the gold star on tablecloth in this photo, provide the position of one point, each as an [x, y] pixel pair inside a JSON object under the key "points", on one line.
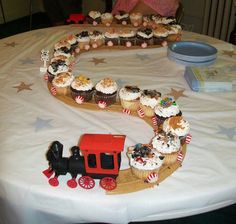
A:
{"points": [[97, 61], [229, 53], [177, 93], [22, 86], [10, 44]]}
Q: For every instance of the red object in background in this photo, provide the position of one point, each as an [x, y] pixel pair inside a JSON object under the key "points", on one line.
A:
{"points": [[95, 144], [76, 18]]}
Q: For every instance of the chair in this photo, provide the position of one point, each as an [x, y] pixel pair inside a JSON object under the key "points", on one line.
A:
{"points": [[179, 13]]}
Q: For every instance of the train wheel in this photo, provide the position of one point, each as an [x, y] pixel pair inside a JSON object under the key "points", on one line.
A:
{"points": [[108, 183], [86, 182]]}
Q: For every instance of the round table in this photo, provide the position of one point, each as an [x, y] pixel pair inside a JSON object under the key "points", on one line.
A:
{"points": [[31, 118]]}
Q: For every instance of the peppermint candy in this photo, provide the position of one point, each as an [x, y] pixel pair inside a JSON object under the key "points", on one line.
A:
{"points": [[124, 23], [110, 43], [95, 23], [128, 44], [164, 44], [154, 121], [45, 77], [126, 111], [86, 47], [102, 104], [135, 24], [180, 156], [140, 112], [79, 99], [108, 24], [53, 91], [152, 178], [139, 160], [188, 138], [145, 24], [94, 45], [144, 45], [77, 50]]}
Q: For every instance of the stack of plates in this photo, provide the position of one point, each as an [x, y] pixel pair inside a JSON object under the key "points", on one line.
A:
{"points": [[192, 53]]}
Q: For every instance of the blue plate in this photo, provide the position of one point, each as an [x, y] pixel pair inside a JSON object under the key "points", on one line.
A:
{"points": [[192, 51], [190, 63]]}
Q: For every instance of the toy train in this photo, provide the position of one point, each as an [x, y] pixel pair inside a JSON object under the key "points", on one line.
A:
{"points": [[98, 156]]}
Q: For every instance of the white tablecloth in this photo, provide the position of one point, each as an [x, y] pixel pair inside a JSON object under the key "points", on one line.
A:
{"points": [[31, 118]]}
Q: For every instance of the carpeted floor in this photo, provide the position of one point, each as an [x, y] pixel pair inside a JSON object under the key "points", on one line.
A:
{"points": [[225, 215]]}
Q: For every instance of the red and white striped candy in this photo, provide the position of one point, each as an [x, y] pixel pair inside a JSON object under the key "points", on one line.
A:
{"points": [[86, 47], [102, 104], [53, 91], [164, 43], [108, 24], [94, 45], [126, 111], [45, 77], [152, 178], [79, 99], [140, 112], [95, 23], [144, 45], [180, 156], [124, 23], [139, 160], [145, 24], [77, 50], [188, 138], [135, 24], [128, 44], [154, 121], [110, 43]]}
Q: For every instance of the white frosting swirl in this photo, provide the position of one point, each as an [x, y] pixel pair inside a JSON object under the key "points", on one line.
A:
{"points": [[94, 14], [121, 16], [111, 34], [106, 16], [127, 94], [144, 35], [149, 101], [59, 69], [63, 79], [106, 86], [176, 125], [82, 84], [165, 142], [127, 33], [166, 111]]}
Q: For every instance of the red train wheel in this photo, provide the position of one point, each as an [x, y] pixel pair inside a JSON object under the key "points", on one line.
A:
{"points": [[108, 183], [86, 182]]}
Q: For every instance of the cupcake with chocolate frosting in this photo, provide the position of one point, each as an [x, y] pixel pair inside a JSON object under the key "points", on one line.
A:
{"points": [[144, 36], [122, 18], [111, 37], [94, 17], [83, 39]]}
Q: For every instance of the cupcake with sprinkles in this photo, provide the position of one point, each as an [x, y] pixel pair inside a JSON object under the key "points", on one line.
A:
{"points": [[122, 18], [62, 82], [136, 18], [81, 89], [129, 97], [165, 109], [145, 162], [72, 40], [179, 126], [144, 36], [105, 92], [107, 18], [96, 38], [168, 145], [83, 39], [127, 37], [63, 48], [111, 37], [56, 67], [148, 100]]}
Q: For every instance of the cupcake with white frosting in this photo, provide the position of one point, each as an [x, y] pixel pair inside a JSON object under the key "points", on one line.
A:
{"points": [[127, 37], [111, 37], [96, 38], [136, 18], [56, 67], [175, 32], [168, 145], [72, 40], [122, 18], [165, 109], [83, 39], [62, 48], [105, 92], [94, 17], [129, 97], [177, 125], [144, 36], [145, 162], [61, 83], [81, 89], [148, 100], [160, 34], [107, 18]]}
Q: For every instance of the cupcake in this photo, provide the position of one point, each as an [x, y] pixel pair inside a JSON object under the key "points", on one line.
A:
{"points": [[178, 126], [122, 18], [165, 109], [160, 34], [96, 38], [105, 92], [94, 17], [129, 97], [55, 68], [168, 145], [81, 89], [165, 20], [127, 37], [61, 83], [145, 162], [175, 33], [111, 37], [63, 48], [148, 20], [136, 18], [107, 18], [83, 39], [148, 100], [60, 59], [72, 40], [144, 36]]}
